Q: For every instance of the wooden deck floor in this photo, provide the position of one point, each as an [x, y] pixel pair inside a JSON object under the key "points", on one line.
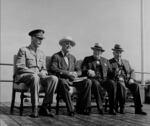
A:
{"points": [[128, 119]]}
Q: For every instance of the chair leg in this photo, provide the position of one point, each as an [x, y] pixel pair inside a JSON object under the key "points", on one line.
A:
{"points": [[13, 101], [57, 104], [21, 104]]}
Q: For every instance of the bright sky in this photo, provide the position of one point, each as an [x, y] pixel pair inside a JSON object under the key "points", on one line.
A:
{"points": [[86, 21]]}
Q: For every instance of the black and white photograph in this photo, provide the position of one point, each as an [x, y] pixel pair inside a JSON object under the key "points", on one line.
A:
{"points": [[74, 63]]}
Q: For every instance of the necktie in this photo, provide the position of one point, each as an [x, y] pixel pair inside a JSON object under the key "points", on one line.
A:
{"points": [[66, 60]]}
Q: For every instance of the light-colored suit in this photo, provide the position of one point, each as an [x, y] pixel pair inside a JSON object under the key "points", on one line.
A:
{"points": [[31, 69]]}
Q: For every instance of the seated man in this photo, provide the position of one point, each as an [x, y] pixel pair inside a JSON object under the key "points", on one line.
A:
{"points": [[124, 76], [97, 69], [31, 70], [63, 64]]}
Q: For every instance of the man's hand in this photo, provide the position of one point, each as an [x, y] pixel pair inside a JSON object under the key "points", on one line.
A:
{"points": [[91, 73], [42, 74], [121, 79], [131, 81], [74, 74]]}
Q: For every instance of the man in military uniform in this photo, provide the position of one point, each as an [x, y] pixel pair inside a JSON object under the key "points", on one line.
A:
{"points": [[97, 69], [31, 70], [124, 76]]}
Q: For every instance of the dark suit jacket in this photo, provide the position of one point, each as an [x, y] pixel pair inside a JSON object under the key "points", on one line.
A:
{"points": [[60, 68], [90, 63], [128, 70]]}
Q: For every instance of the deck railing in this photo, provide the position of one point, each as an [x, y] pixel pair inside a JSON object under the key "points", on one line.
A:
{"points": [[10, 64], [6, 64]]}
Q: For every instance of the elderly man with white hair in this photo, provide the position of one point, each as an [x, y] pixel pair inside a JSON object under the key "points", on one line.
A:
{"points": [[63, 65]]}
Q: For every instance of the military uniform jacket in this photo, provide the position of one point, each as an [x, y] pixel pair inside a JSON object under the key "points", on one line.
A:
{"points": [[128, 70], [91, 63], [29, 62], [60, 68]]}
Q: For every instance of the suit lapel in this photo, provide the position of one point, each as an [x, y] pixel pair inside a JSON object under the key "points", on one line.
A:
{"points": [[103, 65], [63, 60], [69, 61], [125, 65], [115, 64], [93, 62]]}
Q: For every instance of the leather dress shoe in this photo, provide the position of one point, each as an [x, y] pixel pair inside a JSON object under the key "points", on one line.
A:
{"points": [[87, 111], [122, 111], [101, 111], [112, 112], [71, 113], [140, 111], [45, 112]]}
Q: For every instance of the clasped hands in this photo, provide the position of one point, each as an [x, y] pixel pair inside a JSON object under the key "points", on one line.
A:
{"points": [[131, 81], [73, 75], [91, 73], [42, 74]]}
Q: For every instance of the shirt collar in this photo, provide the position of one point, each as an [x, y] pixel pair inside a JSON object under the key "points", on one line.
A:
{"points": [[117, 59], [64, 53], [97, 58]]}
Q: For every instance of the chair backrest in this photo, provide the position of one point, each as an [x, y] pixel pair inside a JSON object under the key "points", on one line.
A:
{"points": [[21, 86], [48, 61], [14, 63], [79, 63]]}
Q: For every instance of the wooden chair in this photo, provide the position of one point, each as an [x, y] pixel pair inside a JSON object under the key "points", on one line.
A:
{"points": [[23, 90]]}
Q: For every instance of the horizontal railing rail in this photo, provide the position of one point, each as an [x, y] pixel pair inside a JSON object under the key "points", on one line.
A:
{"points": [[6, 64], [10, 64], [143, 72]]}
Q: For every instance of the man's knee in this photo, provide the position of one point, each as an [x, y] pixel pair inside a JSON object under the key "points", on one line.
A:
{"points": [[53, 78], [34, 79], [133, 86], [88, 82], [96, 83], [110, 85]]}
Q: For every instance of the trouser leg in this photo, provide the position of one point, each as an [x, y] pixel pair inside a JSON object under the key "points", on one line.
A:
{"points": [[63, 90], [97, 91], [84, 95], [33, 82], [111, 88], [34, 89], [121, 94], [134, 88], [49, 83]]}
